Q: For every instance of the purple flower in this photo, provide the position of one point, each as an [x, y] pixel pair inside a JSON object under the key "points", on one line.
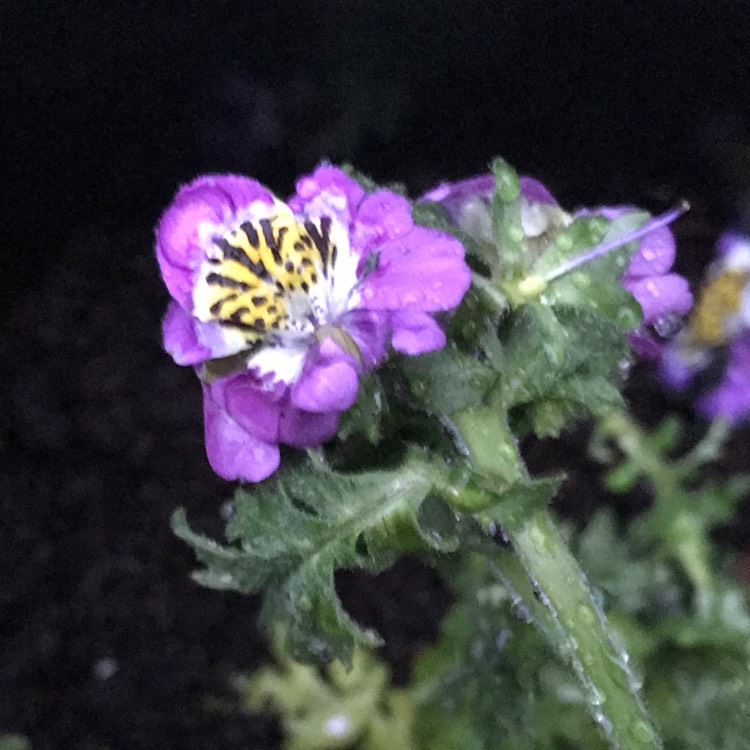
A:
{"points": [[661, 294], [730, 400], [719, 322], [282, 306]]}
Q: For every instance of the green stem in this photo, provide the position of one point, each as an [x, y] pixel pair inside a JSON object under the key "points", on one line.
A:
{"points": [[562, 600], [670, 519]]}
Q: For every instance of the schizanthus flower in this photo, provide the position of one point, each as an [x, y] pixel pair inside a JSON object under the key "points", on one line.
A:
{"points": [[661, 294], [282, 306], [717, 331]]}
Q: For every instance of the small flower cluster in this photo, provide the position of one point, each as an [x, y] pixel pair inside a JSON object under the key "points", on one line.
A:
{"points": [[717, 336], [282, 306], [660, 293]]}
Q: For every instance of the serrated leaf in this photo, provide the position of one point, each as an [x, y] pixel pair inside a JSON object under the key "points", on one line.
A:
{"points": [[294, 531], [366, 416], [446, 381], [564, 354], [518, 500], [507, 229]]}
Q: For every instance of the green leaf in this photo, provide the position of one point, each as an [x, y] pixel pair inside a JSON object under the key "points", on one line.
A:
{"points": [[507, 230], [294, 531], [445, 381], [565, 355], [368, 413]]}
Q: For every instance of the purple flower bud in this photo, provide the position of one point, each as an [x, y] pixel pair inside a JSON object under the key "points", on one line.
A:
{"points": [[647, 278]]}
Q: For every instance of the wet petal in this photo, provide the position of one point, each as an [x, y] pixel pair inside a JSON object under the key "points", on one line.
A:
{"points": [[330, 384], [660, 296], [423, 271], [232, 451], [305, 429], [415, 333], [369, 330], [200, 209], [328, 191], [655, 254], [180, 339], [253, 407], [381, 216]]}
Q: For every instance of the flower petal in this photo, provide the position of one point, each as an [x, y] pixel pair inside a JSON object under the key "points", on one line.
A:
{"points": [[369, 329], [330, 382], [424, 270], [255, 409], [731, 399], [535, 192], [660, 296], [232, 451], [305, 429], [655, 254], [415, 332], [199, 209], [328, 191], [180, 338], [453, 196], [381, 216]]}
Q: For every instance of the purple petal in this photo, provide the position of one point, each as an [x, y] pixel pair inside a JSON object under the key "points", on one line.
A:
{"points": [[255, 409], [415, 332], [304, 429], [329, 383], [423, 271], [655, 254], [369, 329], [644, 344], [209, 201], [730, 243], [381, 216], [731, 400], [535, 192], [675, 366], [191, 341], [660, 296], [327, 191], [453, 196], [180, 339], [232, 451]]}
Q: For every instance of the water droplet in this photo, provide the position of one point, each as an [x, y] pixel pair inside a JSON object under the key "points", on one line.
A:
{"points": [[642, 732], [564, 242], [586, 614], [668, 326], [601, 719], [648, 254], [418, 387], [515, 233], [337, 726], [521, 611], [581, 280], [304, 603], [539, 540], [596, 697]]}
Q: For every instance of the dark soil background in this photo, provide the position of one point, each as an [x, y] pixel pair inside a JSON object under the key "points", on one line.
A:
{"points": [[106, 108]]}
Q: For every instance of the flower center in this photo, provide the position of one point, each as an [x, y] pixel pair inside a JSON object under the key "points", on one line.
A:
{"points": [[257, 278], [276, 284]]}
